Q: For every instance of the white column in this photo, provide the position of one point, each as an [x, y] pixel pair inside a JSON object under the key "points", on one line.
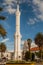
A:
{"points": [[18, 20], [17, 36]]}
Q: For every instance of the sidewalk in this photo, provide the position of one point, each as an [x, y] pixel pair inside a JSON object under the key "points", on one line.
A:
{"points": [[2, 63], [39, 64]]}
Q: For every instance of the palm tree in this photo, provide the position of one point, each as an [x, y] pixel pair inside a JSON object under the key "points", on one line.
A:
{"points": [[2, 17], [2, 31], [3, 34], [2, 48], [39, 41], [29, 44], [1, 9]]}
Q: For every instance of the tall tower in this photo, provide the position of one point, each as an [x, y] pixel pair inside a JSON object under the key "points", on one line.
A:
{"points": [[17, 36]]}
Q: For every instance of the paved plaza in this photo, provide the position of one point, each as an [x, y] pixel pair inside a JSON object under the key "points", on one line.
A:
{"points": [[39, 64]]}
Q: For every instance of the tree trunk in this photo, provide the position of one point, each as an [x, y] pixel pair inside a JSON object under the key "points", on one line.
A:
{"points": [[0, 54], [40, 53], [29, 51]]}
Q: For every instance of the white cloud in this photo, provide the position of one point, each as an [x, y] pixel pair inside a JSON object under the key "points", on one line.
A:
{"points": [[10, 9], [31, 21], [38, 8], [15, 1], [5, 40], [22, 42], [10, 50], [40, 17], [9, 6], [9, 2], [12, 3], [33, 44], [36, 2]]}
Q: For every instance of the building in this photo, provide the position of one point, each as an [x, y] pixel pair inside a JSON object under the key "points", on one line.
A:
{"points": [[34, 49], [7, 55]]}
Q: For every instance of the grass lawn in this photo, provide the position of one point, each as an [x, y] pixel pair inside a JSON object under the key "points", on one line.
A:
{"points": [[20, 63]]}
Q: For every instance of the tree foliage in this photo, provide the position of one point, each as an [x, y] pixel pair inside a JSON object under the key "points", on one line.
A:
{"points": [[39, 41], [2, 31], [33, 57], [27, 56], [1, 16], [2, 47], [29, 43], [1, 9]]}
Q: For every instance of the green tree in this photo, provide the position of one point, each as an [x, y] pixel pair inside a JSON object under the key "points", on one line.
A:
{"points": [[2, 48], [29, 43], [39, 41]]}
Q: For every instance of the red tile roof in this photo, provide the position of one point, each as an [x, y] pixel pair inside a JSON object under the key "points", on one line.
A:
{"points": [[34, 49]]}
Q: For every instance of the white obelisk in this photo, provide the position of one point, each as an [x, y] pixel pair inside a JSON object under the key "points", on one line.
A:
{"points": [[17, 36]]}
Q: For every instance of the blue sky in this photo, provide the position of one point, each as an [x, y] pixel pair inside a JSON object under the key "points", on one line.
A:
{"points": [[31, 21]]}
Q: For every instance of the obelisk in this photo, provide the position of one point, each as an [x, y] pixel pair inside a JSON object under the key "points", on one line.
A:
{"points": [[17, 37]]}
